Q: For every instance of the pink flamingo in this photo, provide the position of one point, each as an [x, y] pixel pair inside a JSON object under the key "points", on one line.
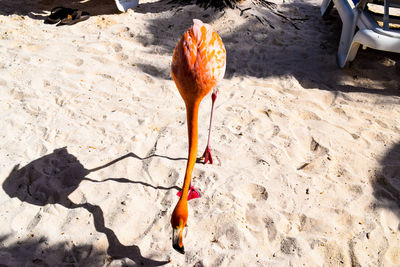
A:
{"points": [[198, 63]]}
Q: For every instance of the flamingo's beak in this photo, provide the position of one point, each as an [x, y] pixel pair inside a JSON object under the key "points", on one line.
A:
{"points": [[177, 239]]}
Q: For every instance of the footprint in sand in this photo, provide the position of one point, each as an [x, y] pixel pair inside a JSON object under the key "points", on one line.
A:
{"points": [[78, 62], [260, 223], [122, 57], [276, 131], [308, 115], [257, 192], [228, 235], [309, 224], [117, 47], [270, 225], [289, 246], [317, 148], [318, 160]]}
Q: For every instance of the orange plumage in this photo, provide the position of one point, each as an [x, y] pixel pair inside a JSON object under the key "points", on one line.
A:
{"points": [[198, 63]]}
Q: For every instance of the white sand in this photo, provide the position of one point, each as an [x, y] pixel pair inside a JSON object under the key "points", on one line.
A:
{"points": [[307, 156]]}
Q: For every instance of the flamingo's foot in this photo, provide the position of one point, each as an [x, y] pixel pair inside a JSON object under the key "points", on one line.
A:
{"points": [[193, 193], [207, 156]]}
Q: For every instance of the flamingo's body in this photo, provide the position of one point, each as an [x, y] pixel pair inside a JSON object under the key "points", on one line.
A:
{"points": [[198, 63]]}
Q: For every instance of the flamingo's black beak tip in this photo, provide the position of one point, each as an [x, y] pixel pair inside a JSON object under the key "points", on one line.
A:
{"points": [[177, 241], [179, 249]]}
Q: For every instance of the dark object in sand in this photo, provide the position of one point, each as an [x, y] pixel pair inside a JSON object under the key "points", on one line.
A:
{"points": [[66, 16]]}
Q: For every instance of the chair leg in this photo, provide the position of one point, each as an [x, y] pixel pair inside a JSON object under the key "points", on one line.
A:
{"points": [[326, 6], [346, 40], [353, 51]]}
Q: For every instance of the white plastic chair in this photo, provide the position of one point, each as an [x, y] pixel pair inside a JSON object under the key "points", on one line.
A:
{"points": [[124, 5], [369, 33]]}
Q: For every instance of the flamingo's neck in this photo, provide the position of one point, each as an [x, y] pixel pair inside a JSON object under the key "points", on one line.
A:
{"points": [[192, 111]]}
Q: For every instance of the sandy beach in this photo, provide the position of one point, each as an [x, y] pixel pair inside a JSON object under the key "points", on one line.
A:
{"points": [[93, 140]]}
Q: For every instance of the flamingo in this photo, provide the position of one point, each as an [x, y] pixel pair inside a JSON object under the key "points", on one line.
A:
{"points": [[198, 64]]}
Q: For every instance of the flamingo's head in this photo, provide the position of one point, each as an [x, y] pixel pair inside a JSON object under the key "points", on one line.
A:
{"points": [[178, 223]]}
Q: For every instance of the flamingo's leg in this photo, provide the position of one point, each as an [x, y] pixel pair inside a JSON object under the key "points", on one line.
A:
{"points": [[207, 152]]}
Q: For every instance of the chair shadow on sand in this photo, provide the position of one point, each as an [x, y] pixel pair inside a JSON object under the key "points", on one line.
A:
{"points": [[53, 177], [386, 184], [313, 66]]}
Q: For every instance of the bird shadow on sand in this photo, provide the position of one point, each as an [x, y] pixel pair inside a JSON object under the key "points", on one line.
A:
{"points": [[386, 181], [53, 177], [297, 42], [34, 251], [40, 9]]}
